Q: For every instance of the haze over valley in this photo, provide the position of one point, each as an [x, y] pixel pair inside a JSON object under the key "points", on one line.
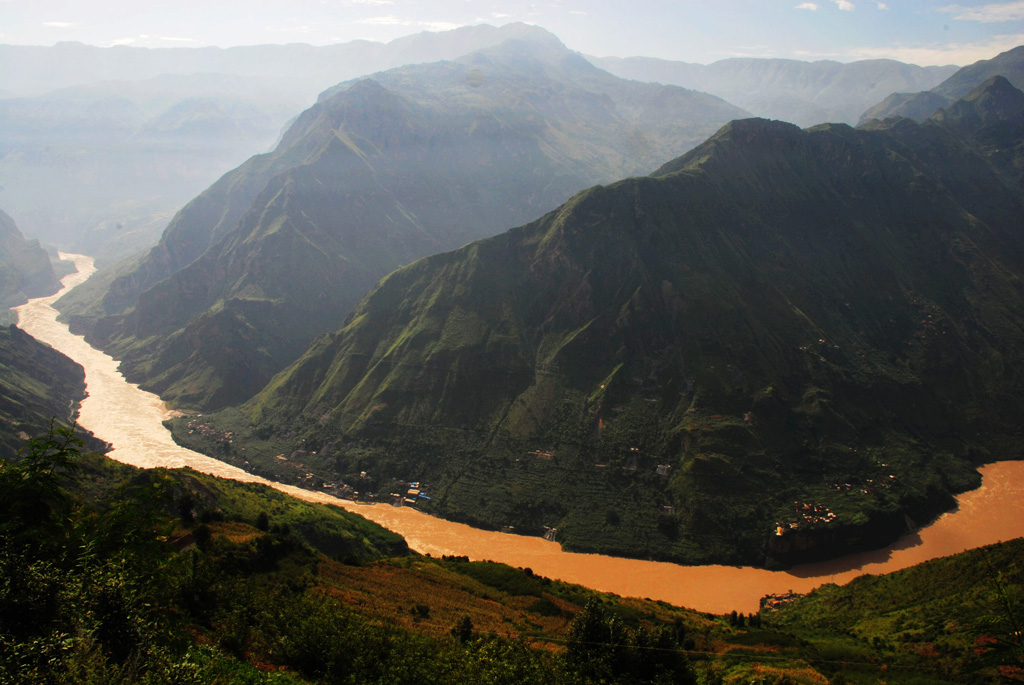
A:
{"points": [[734, 320]]}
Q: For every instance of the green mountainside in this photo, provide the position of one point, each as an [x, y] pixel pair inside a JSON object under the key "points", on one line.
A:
{"points": [[922, 105], [682, 366], [380, 172], [956, 619], [25, 269]]}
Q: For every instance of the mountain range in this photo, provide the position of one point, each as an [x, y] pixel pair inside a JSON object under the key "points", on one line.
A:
{"points": [[100, 146], [921, 105], [380, 172], [101, 168], [775, 347], [802, 93]]}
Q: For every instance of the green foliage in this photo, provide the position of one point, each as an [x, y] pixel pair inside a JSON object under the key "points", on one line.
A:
{"points": [[31, 496], [328, 529], [954, 617], [600, 648]]}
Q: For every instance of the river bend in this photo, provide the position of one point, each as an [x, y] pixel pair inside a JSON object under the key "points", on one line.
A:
{"points": [[131, 420]]}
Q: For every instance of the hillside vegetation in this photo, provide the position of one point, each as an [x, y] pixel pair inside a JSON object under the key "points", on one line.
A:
{"points": [[111, 574]]}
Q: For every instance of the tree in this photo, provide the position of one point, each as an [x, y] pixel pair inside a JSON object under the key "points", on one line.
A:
{"points": [[463, 630], [31, 497]]}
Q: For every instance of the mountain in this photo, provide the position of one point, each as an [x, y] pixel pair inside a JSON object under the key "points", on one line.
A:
{"points": [[25, 269], [99, 147], [380, 172], [27, 71], [774, 348], [803, 93], [37, 384], [921, 105]]}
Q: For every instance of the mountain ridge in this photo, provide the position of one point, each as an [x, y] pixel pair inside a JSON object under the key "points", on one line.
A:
{"points": [[779, 310], [803, 93], [922, 105], [379, 172]]}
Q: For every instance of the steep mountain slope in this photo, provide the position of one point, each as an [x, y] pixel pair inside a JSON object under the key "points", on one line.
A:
{"points": [[25, 269], [803, 93], [664, 366], [37, 384], [380, 172], [921, 105]]}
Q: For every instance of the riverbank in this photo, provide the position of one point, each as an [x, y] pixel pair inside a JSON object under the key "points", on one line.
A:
{"points": [[132, 421]]}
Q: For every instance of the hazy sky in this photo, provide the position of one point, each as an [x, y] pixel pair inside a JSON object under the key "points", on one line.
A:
{"points": [[921, 31]]}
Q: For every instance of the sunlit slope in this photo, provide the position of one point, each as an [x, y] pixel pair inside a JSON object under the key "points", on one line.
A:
{"points": [[829, 317], [380, 172]]}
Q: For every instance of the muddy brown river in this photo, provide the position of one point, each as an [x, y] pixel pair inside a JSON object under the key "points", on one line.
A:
{"points": [[131, 420]]}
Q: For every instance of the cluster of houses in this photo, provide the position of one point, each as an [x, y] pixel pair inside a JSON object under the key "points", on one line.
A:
{"points": [[773, 602], [867, 488], [414, 496], [208, 431], [807, 515]]}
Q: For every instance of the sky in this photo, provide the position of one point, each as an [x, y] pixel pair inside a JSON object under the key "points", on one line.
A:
{"points": [[919, 31]]}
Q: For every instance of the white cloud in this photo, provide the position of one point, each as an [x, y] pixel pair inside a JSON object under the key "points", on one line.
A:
{"points": [[807, 6], [500, 15], [389, 20], [118, 41], [392, 20], [370, 2], [988, 14], [437, 25], [58, 24], [882, 6], [175, 39], [844, 5], [577, 12]]}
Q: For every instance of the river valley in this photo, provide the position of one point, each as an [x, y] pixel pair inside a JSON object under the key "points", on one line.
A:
{"points": [[130, 419]]}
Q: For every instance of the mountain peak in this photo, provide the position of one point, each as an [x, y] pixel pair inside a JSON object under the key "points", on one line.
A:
{"points": [[994, 101], [750, 133]]}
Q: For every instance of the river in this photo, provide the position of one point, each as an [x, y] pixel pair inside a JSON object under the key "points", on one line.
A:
{"points": [[131, 420]]}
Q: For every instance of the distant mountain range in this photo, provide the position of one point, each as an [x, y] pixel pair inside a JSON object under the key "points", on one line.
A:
{"points": [[921, 105], [100, 146], [101, 168], [380, 172], [774, 348], [803, 93], [32, 70]]}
